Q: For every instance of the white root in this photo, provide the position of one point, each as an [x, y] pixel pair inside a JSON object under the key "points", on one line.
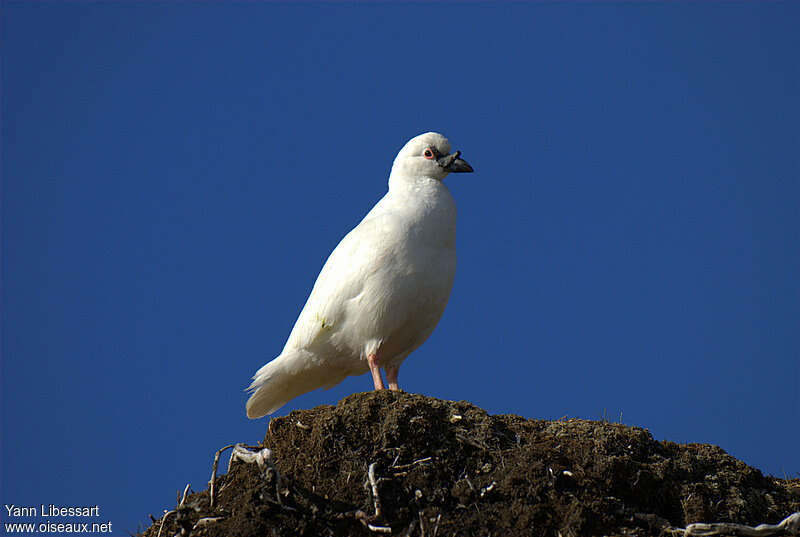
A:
{"points": [[374, 484], [436, 527], [263, 458], [163, 519], [405, 466], [185, 492], [362, 517], [167, 513], [376, 500], [207, 521], [214, 474], [788, 526]]}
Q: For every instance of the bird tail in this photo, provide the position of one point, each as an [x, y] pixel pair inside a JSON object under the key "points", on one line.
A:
{"points": [[289, 375]]}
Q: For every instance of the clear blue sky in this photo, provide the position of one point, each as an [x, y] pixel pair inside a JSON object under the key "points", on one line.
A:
{"points": [[174, 175]]}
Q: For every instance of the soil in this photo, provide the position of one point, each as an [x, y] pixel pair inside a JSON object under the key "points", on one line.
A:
{"points": [[445, 468]]}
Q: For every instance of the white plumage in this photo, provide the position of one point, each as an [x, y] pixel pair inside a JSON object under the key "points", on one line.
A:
{"points": [[382, 290]]}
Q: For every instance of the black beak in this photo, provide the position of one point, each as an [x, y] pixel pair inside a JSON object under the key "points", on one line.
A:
{"points": [[452, 163]]}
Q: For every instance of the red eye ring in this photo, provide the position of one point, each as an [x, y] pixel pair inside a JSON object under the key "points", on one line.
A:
{"points": [[428, 154]]}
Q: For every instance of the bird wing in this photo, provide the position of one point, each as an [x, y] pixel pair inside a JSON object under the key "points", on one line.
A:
{"points": [[364, 251], [306, 361]]}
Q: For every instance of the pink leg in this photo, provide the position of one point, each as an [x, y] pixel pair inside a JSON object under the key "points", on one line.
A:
{"points": [[375, 369], [391, 376]]}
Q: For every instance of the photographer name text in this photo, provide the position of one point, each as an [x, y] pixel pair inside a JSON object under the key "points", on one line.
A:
{"points": [[52, 510]]}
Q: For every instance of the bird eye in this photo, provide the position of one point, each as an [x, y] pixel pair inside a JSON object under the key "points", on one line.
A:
{"points": [[428, 154]]}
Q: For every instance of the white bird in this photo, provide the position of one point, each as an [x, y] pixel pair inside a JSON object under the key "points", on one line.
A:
{"points": [[382, 290]]}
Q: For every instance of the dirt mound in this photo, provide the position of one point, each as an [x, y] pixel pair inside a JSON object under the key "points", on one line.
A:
{"points": [[448, 468]]}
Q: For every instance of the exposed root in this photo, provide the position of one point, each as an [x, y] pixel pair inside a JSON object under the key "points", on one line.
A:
{"points": [[436, 527], [207, 521], [185, 492], [376, 500], [174, 511], [471, 442], [409, 465], [379, 529], [214, 475], [374, 483], [788, 526], [163, 519], [263, 458]]}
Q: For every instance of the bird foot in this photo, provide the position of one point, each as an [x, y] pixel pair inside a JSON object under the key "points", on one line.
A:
{"points": [[375, 369]]}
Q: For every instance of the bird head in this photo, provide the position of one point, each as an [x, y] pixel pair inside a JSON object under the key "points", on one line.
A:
{"points": [[428, 155]]}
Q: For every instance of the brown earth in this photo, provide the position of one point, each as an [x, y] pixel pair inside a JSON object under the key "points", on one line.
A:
{"points": [[445, 468]]}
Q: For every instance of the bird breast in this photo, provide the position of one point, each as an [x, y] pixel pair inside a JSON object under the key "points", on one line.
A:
{"points": [[405, 295], [385, 286]]}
